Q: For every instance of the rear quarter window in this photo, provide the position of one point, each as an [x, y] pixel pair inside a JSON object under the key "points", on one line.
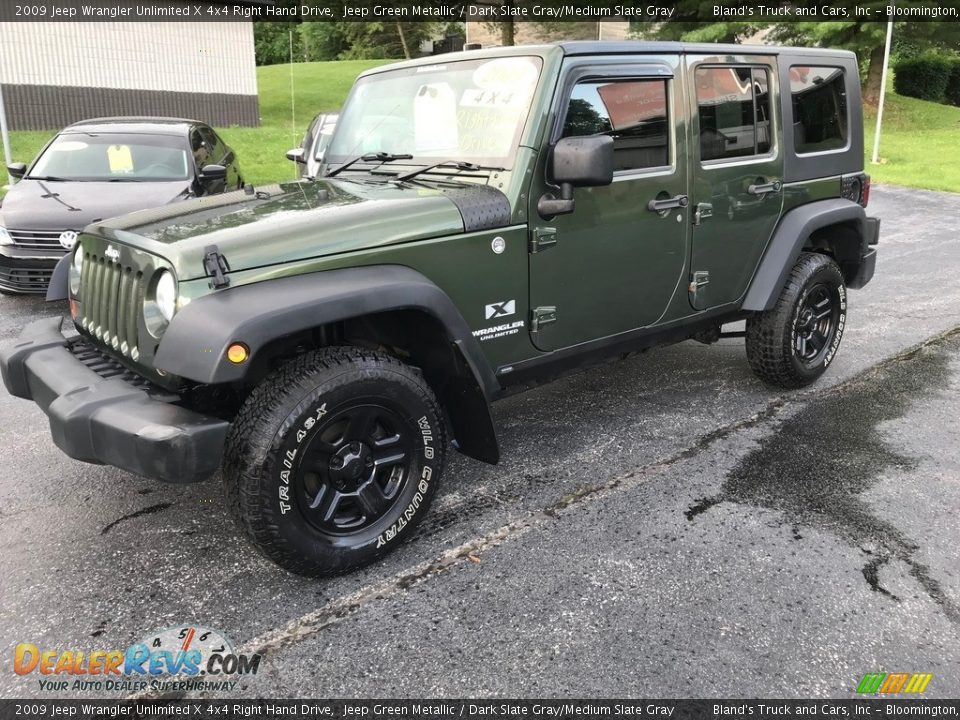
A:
{"points": [[819, 100]]}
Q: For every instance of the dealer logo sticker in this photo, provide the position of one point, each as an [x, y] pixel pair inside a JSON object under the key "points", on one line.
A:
{"points": [[500, 309]]}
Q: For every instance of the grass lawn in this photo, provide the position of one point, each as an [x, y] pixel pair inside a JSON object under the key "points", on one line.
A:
{"points": [[920, 146]]}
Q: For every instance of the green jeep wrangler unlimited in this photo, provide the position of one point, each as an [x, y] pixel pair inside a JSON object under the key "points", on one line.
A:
{"points": [[482, 220]]}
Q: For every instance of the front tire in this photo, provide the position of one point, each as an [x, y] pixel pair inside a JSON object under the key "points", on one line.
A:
{"points": [[333, 459], [792, 344]]}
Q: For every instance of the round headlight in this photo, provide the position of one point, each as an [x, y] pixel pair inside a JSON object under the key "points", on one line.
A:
{"points": [[76, 268], [166, 295]]}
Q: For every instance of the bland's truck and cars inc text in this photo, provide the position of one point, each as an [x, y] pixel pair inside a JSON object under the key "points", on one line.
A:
{"points": [[562, 368]]}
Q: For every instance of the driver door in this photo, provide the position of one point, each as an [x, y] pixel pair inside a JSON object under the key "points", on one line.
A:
{"points": [[614, 263]]}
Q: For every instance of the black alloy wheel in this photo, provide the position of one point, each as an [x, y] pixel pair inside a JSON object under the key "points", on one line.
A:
{"points": [[353, 468], [816, 324]]}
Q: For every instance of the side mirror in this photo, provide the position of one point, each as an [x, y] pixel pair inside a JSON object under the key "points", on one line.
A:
{"points": [[213, 172], [297, 155], [17, 170], [576, 162]]}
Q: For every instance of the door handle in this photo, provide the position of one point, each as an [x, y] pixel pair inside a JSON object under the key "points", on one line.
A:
{"points": [[678, 201], [763, 188]]}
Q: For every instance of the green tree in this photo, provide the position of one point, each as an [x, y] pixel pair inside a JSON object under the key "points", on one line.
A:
{"points": [[323, 40], [867, 40], [271, 41], [865, 37]]}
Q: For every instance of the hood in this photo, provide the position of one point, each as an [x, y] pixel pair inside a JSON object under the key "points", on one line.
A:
{"points": [[64, 205], [297, 221]]}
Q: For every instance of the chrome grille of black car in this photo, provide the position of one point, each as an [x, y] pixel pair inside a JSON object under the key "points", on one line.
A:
{"points": [[111, 295], [44, 239]]}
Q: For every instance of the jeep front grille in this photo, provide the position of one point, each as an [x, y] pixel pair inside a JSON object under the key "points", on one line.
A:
{"points": [[111, 296]]}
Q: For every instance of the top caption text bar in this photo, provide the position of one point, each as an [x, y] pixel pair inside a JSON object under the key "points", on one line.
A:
{"points": [[480, 10]]}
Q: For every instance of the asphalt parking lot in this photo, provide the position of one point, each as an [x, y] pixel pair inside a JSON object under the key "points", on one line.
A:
{"points": [[666, 526]]}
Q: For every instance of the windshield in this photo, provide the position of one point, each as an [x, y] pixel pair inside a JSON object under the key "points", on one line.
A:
{"points": [[468, 110], [114, 157]]}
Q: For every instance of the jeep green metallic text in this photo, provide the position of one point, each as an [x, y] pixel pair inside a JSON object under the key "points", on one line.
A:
{"points": [[482, 221]]}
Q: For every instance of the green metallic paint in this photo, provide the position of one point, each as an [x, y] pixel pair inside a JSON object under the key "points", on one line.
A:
{"points": [[729, 244], [637, 262], [308, 220], [635, 258]]}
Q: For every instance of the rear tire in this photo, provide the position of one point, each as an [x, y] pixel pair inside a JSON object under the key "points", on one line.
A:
{"points": [[792, 344], [333, 459]]}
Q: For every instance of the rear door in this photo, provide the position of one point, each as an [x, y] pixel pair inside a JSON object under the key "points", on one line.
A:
{"points": [[737, 172], [613, 264]]}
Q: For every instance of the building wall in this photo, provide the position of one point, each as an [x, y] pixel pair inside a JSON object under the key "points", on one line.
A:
{"points": [[56, 73], [527, 33]]}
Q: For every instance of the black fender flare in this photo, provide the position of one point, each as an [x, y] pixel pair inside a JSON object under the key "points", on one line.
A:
{"points": [[59, 287], [195, 343], [787, 243]]}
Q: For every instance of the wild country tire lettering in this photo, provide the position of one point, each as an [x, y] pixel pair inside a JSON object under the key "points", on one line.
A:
{"points": [[428, 452], [835, 345]]}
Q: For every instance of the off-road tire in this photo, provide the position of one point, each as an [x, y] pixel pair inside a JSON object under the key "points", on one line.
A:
{"points": [[772, 335], [276, 429]]}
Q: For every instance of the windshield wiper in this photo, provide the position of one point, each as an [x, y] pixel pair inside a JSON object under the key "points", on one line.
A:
{"points": [[50, 178], [369, 157], [458, 164]]}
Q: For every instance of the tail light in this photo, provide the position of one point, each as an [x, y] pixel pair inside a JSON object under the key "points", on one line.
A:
{"points": [[856, 188]]}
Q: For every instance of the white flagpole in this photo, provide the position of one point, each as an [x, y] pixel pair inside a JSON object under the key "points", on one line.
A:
{"points": [[883, 91], [6, 138]]}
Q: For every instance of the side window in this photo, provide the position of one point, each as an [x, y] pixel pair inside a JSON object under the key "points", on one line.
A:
{"points": [[213, 143], [633, 112], [819, 108], [200, 150], [734, 108]]}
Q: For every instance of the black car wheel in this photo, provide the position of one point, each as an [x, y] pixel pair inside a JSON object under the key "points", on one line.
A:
{"points": [[333, 459], [794, 343]]}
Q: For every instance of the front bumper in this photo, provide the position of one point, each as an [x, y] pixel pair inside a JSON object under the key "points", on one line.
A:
{"points": [[109, 420], [24, 271]]}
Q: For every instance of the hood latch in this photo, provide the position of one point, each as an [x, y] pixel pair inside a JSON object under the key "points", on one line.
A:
{"points": [[216, 265]]}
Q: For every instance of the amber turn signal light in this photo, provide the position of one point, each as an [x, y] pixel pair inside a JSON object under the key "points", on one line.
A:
{"points": [[237, 353]]}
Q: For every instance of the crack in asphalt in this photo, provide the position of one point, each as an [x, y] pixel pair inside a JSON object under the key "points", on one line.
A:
{"points": [[316, 621], [150, 510], [471, 551], [819, 465]]}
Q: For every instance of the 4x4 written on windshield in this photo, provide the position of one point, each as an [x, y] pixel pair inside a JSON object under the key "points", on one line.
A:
{"points": [[470, 111]]}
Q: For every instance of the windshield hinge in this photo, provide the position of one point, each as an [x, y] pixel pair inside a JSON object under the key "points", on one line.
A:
{"points": [[215, 265]]}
